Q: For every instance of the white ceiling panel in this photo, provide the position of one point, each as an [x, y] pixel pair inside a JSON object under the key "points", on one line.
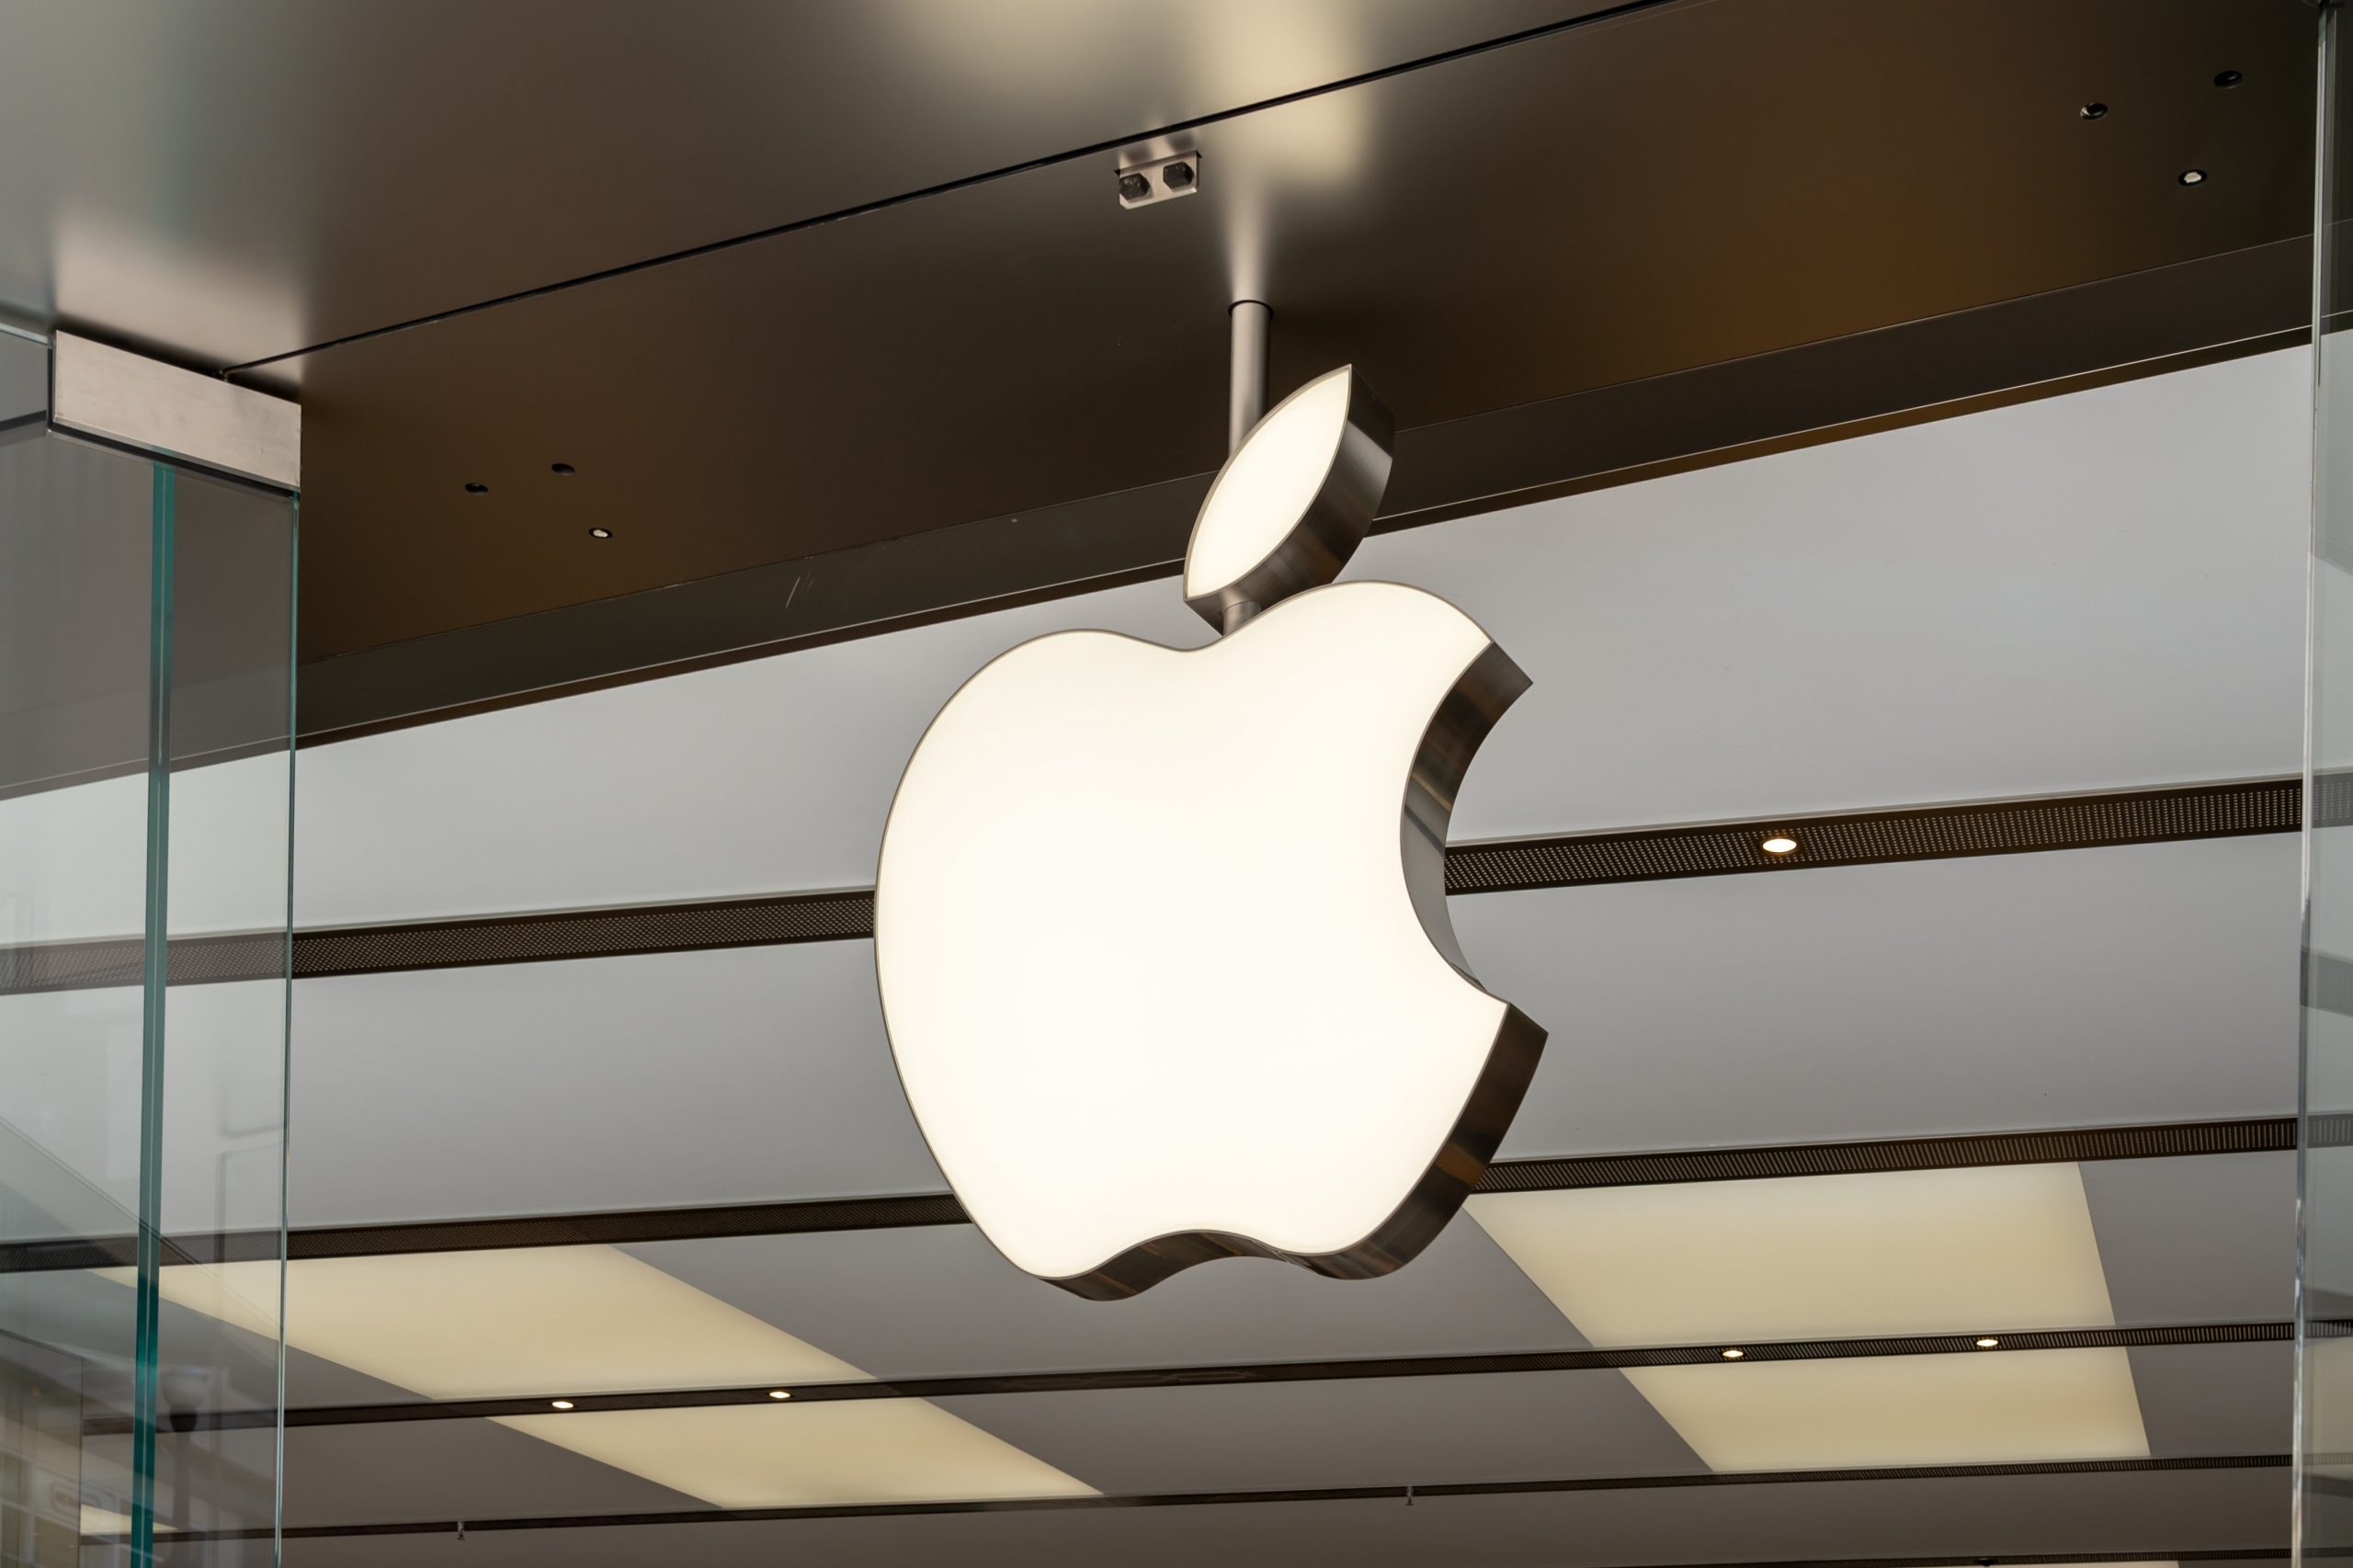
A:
{"points": [[1897, 1410], [792, 1456], [1368, 1431], [2147, 983], [73, 860], [2210, 1239], [633, 1083], [2217, 1399], [2081, 592], [433, 1470], [1811, 1257], [2217, 1511], [70, 1127], [503, 1323]]}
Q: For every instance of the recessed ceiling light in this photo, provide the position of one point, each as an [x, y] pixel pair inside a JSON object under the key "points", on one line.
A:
{"points": [[2227, 79], [560, 1404], [2092, 111], [1735, 1354], [2193, 176], [779, 1393], [1987, 1343], [600, 533], [1779, 844], [473, 488], [560, 469]]}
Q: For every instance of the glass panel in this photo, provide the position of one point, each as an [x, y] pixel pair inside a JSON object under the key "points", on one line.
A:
{"points": [[223, 1093], [2324, 1304], [145, 791]]}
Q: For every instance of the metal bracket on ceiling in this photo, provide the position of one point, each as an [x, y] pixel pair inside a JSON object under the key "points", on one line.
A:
{"points": [[1160, 179]]}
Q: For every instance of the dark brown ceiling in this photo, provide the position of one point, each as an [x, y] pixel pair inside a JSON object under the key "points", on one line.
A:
{"points": [[1662, 187], [248, 177]]}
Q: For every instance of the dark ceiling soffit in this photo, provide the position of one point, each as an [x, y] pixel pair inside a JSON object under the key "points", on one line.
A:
{"points": [[1593, 17], [2170, 1140], [1391, 1493], [1469, 1365], [2147, 323], [2097, 819]]}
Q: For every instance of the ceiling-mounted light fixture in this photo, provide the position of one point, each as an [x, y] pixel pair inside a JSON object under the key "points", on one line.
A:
{"points": [[1162, 935], [1159, 179]]}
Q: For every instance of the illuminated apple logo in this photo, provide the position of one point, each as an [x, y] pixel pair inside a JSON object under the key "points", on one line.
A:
{"points": [[1162, 935]]}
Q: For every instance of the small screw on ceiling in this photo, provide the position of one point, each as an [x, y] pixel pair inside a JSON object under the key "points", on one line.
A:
{"points": [[2092, 111], [2227, 79], [474, 489], [560, 470]]}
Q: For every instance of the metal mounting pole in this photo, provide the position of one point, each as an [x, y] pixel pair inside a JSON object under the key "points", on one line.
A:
{"points": [[1246, 384], [1245, 396]]}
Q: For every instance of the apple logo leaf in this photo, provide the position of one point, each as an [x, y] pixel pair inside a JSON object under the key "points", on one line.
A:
{"points": [[1161, 934], [1291, 506]]}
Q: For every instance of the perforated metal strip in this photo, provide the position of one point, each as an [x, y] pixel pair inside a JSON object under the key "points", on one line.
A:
{"points": [[2155, 1140], [2002, 827]]}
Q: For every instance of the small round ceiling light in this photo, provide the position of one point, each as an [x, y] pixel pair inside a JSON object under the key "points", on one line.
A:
{"points": [[1735, 1354], [474, 487], [1779, 844], [2092, 111], [779, 1393], [2193, 176], [1987, 1343], [560, 1404], [600, 533], [2228, 78], [561, 470]]}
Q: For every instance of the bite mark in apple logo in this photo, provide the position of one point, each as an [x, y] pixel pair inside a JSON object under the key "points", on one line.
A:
{"points": [[1161, 934]]}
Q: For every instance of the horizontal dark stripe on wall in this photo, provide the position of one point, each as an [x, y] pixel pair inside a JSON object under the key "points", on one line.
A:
{"points": [[1856, 838], [1361, 1369], [1553, 1174], [2162, 1140], [1561, 860], [1387, 1494]]}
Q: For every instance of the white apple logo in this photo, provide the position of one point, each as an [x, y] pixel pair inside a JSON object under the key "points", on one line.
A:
{"points": [[1162, 935]]}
